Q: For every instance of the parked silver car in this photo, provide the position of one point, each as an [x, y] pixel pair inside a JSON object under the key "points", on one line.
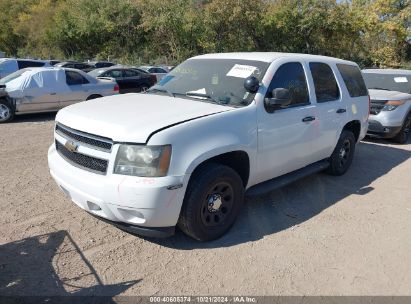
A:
{"points": [[35, 90], [390, 111]]}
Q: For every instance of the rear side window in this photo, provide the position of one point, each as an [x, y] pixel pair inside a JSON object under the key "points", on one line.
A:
{"points": [[326, 88], [29, 64], [74, 78], [130, 73], [353, 80], [291, 76]]}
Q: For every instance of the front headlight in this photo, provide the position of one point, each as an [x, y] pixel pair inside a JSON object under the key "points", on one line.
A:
{"points": [[392, 105], [144, 161]]}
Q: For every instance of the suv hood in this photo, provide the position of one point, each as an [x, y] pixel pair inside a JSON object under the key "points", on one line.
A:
{"points": [[133, 117], [388, 95]]}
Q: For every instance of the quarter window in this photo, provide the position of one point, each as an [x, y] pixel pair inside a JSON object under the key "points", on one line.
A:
{"points": [[326, 88], [74, 78], [352, 77], [291, 76]]}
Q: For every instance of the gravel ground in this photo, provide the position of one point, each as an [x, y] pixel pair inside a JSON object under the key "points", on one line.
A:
{"points": [[322, 235]]}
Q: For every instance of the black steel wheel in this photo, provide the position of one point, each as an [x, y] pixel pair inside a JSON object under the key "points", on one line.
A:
{"points": [[343, 154], [212, 201], [217, 204]]}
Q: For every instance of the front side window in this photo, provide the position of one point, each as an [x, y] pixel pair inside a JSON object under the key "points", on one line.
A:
{"points": [[353, 80], [74, 78], [218, 81], [291, 76], [326, 88]]}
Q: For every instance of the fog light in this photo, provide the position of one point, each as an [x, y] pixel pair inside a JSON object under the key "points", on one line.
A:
{"points": [[386, 130], [93, 206], [131, 216]]}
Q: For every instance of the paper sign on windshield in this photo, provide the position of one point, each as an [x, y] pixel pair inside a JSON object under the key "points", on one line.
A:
{"points": [[241, 71], [400, 79]]}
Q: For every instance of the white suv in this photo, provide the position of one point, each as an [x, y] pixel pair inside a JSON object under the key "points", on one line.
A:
{"points": [[217, 127]]}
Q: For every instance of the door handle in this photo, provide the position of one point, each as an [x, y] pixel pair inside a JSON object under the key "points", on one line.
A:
{"points": [[53, 93], [308, 118], [340, 111]]}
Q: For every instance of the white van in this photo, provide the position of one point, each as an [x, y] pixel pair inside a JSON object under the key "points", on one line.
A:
{"points": [[9, 65]]}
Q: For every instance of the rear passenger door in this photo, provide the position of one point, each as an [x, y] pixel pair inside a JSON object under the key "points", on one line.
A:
{"points": [[331, 110], [285, 136], [133, 80], [78, 89]]}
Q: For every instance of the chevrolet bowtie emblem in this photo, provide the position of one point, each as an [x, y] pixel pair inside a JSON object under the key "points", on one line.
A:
{"points": [[71, 146]]}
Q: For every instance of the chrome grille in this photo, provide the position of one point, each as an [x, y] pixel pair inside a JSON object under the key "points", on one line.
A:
{"points": [[89, 140], [83, 161], [376, 106]]}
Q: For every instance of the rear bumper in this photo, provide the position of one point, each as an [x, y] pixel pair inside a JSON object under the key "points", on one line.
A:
{"points": [[377, 129]]}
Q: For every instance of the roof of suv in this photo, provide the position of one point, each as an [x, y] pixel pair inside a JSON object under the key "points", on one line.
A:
{"points": [[268, 56]]}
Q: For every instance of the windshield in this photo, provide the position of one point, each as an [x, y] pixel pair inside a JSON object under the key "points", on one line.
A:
{"points": [[390, 82], [96, 73], [13, 76], [212, 80]]}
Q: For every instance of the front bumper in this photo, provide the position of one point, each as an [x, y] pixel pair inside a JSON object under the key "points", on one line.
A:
{"points": [[377, 129], [145, 206]]}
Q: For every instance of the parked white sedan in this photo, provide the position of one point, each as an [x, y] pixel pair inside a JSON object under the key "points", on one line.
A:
{"points": [[34, 90]]}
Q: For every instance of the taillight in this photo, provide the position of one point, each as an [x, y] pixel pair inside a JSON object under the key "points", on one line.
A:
{"points": [[153, 79], [369, 106], [116, 88]]}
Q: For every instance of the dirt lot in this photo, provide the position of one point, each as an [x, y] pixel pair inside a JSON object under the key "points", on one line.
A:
{"points": [[323, 235]]}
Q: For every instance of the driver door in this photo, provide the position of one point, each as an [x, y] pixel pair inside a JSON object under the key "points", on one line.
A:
{"points": [[285, 135]]}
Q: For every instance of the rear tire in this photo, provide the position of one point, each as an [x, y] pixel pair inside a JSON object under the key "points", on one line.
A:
{"points": [[6, 111], [402, 136], [213, 199], [94, 96], [343, 154], [143, 88]]}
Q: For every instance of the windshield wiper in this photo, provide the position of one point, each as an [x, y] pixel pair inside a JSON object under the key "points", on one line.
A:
{"points": [[202, 95], [152, 90], [376, 88]]}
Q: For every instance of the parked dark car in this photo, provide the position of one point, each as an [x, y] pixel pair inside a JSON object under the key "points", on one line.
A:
{"points": [[101, 64], [129, 79], [75, 65]]}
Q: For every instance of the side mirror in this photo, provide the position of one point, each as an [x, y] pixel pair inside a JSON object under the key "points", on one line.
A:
{"points": [[281, 98], [251, 84]]}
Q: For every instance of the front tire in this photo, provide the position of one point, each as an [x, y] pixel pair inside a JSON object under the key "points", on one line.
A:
{"points": [[402, 136], [343, 154], [212, 202], [6, 111]]}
